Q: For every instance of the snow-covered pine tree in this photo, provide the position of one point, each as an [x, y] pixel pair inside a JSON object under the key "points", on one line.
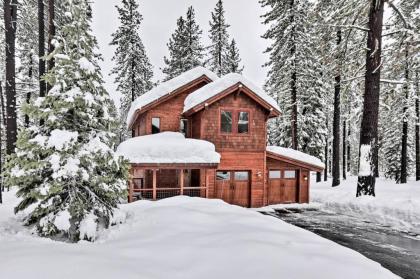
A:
{"points": [[401, 51], [219, 38], [66, 168], [133, 71], [185, 48], [294, 77], [233, 59]]}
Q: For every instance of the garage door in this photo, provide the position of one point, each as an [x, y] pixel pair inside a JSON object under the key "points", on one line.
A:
{"points": [[233, 187], [282, 186]]}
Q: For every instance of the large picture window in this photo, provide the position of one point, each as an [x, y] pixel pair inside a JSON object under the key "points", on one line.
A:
{"points": [[226, 122], [243, 122], [155, 125]]}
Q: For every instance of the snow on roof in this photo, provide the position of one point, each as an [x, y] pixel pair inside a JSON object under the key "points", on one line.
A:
{"points": [[212, 89], [296, 155], [168, 147], [166, 88]]}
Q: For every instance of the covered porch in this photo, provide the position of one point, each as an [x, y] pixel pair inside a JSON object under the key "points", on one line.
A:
{"points": [[154, 182], [168, 164]]}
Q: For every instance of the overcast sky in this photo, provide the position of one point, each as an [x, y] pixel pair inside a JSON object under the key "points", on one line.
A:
{"points": [[159, 22]]}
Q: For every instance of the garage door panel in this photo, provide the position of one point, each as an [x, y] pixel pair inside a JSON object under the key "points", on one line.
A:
{"points": [[241, 193], [274, 191], [289, 190], [233, 187], [282, 188]]}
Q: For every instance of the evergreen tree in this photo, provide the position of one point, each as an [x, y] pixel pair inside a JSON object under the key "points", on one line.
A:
{"points": [[66, 168], [185, 48], [132, 66], [233, 59], [218, 50], [294, 77]]}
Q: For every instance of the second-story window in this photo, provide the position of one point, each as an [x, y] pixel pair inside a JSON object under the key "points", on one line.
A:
{"points": [[183, 127], [226, 122], [155, 125], [243, 122]]}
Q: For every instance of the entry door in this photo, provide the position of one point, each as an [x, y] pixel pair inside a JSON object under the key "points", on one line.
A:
{"points": [[233, 187]]}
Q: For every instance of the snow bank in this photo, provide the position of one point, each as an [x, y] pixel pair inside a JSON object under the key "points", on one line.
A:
{"points": [[212, 89], [182, 238], [168, 147], [296, 155], [166, 88], [395, 205]]}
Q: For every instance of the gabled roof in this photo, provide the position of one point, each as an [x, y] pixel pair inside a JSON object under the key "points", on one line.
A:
{"points": [[167, 88], [295, 157], [226, 85], [168, 148]]}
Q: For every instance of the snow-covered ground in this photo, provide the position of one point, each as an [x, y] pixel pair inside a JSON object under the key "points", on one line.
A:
{"points": [[395, 205], [181, 238]]}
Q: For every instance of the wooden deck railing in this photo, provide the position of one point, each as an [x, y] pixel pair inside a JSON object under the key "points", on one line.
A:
{"points": [[163, 193]]}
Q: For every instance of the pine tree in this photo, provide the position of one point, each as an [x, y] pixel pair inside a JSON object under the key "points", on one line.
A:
{"points": [[10, 25], [233, 59], [185, 48], [219, 37], [294, 77], [67, 168], [132, 68]]}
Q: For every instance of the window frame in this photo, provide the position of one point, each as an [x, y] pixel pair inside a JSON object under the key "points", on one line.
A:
{"points": [[232, 121], [151, 124], [276, 170], [239, 171], [291, 178], [235, 117], [237, 122]]}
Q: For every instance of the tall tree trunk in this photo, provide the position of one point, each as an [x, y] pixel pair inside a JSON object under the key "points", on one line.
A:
{"points": [[336, 120], [348, 148], [417, 128], [28, 94], [294, 113], [369, 127], [1, 145], [41, 48], [404, 139], [293, 87], [51, 31], [344, 149], [10, 16], [326, 156]]}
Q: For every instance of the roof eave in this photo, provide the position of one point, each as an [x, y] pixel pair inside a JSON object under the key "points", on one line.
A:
{"points": [[302, 164], [273, 111], [166, 97]]}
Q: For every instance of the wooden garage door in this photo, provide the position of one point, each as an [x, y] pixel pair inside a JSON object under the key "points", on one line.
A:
{"points": [[233, 187], [283, 186]]}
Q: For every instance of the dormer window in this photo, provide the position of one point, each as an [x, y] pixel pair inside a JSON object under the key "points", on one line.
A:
{"points": [[226, 121], [155, 125]]}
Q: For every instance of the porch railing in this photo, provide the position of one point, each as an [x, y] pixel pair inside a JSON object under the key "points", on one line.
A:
{"points": [[163, 193]]}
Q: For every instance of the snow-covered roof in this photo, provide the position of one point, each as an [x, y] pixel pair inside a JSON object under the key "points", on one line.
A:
{"points": [[218, 86], [166, 88], [296, 155], [168, 147]]}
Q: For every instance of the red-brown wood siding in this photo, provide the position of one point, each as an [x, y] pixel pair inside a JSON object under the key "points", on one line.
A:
{"points": [[169, 112]]}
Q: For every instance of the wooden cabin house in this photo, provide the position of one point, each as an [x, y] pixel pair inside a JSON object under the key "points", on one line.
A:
{"points": [[204, 136]]}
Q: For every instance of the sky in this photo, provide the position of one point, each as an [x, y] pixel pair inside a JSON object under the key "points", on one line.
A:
{"points": [[159, 22]]}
